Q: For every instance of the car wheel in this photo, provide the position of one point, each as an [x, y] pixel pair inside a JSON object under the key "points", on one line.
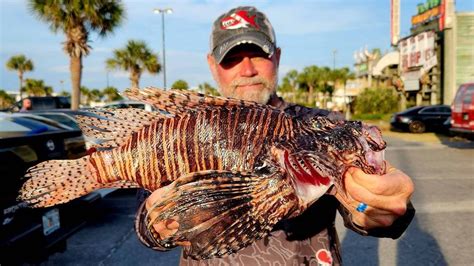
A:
{"points": [[417, 127]]}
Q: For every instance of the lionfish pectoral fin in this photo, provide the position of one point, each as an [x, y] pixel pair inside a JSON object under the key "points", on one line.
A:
{"points": [[177, 102], [109, 128], [219, 212], [57, 181]]}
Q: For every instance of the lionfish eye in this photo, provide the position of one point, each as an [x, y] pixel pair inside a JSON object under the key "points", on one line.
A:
{"points": [[316, 124], [355, 131]]}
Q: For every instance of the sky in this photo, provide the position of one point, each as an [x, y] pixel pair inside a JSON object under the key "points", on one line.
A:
{"points": [[308, 32]]}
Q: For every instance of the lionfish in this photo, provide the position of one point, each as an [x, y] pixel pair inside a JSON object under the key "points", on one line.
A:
{"points": [[227, 170]]}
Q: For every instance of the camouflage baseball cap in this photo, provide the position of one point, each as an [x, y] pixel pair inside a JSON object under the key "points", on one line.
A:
{"points": [[240, 25]]}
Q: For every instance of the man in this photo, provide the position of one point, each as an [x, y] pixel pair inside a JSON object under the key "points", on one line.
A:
{"points": [[244, 62], [26, 105]]}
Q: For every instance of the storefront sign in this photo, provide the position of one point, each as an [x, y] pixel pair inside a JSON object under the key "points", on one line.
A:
{"points": [[418, 52], [394, 22], [429, 4], [428, 11], [411, 80]]}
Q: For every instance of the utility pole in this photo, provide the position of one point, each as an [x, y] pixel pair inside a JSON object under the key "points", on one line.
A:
{"points": [[162, 11]]}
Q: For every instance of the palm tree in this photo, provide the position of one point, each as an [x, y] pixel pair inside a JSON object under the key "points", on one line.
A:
{"points": [[77, 19], [291, 80], [180, 84], [343, 75], [64, 93], [96, 95], [324, 88], [5, 99], [136, 57], [111, 93], [36, 87], [206, 88], [21, 64], [85, 95], [310, 79]]}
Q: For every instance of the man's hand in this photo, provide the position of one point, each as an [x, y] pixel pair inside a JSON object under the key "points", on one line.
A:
{"points": [[164, 228], [386, 196]]}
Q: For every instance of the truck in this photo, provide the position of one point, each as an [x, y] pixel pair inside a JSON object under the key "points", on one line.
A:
{"points": [[462, 111]]}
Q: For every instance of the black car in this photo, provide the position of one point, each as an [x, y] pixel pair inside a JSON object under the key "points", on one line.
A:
{"points": [[419, 119], [62, 116], [27, 235], [43, 103]]}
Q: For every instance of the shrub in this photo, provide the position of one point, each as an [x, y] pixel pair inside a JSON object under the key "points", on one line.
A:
{"points": [[376, 101]]}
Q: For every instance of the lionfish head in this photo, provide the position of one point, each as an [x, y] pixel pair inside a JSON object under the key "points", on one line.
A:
{"points": [[354, 142]]}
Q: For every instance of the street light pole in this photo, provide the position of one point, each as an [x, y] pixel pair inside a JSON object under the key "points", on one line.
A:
{"points": [[162, 11]]}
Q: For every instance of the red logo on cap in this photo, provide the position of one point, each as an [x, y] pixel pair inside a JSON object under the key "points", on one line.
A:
{"points": [[239, 19]]}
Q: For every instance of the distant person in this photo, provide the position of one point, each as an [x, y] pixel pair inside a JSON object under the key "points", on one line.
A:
{"points": [[244, 61], [26, 105]]}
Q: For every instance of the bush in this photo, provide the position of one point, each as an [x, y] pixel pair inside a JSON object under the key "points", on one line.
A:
{"points": [[376, 101], [369, 117]]}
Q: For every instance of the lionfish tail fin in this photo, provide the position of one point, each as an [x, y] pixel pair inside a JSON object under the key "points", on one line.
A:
{"points": [[216, 213], [175, 101], [57, 181]]}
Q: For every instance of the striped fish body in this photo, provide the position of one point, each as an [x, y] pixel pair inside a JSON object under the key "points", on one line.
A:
{"points": [[226, 171], [234, 139]]}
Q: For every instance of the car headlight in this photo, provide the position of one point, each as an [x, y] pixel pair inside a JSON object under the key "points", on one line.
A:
{"points": [[405, 120]]}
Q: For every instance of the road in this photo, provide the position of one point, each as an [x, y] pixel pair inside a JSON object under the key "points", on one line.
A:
{"points": [[442, 232]]}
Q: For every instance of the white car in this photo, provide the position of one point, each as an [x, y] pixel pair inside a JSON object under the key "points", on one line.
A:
{"points": [[130, 104]]}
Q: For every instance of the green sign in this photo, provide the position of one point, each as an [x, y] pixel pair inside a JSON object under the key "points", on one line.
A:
{"points": [[429, 4]]}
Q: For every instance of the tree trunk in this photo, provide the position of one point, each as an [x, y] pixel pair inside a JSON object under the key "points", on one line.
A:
{"points": [[20, 76], [135, 79], [310, 96], [76, 74], [294, 93]]}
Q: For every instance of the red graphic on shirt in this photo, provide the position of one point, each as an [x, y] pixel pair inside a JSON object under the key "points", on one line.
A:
{"points": [[324, 257], [239, 19]]}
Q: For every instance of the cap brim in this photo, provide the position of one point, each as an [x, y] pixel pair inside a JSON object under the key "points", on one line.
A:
{"points": [[256, 38]]}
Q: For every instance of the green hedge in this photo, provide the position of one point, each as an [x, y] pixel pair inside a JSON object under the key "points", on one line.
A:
{"points": [[376, 102]]}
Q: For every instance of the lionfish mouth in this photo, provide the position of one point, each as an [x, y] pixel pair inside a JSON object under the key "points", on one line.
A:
{"points": [[375, 152], [374, 138]]}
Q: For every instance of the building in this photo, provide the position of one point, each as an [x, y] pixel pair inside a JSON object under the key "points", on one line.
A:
{"points": [[438, 55], [426, 67]]}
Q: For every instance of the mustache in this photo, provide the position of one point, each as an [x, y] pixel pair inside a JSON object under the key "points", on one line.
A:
{"points": [[249, 81]]}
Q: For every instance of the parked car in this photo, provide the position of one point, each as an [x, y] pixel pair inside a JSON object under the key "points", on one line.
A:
{"points": [[27, 235], [462, 115], [419, 119], [130, 104], [43, 103], [62, 116]]}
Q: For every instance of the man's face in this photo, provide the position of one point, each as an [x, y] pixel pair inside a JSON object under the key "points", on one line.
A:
{"points": [[26, 103], [246, 73]]}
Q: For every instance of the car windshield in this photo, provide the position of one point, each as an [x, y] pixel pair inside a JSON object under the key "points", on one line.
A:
{"points": [[412, 110], [15, 126], [61, 118]]}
